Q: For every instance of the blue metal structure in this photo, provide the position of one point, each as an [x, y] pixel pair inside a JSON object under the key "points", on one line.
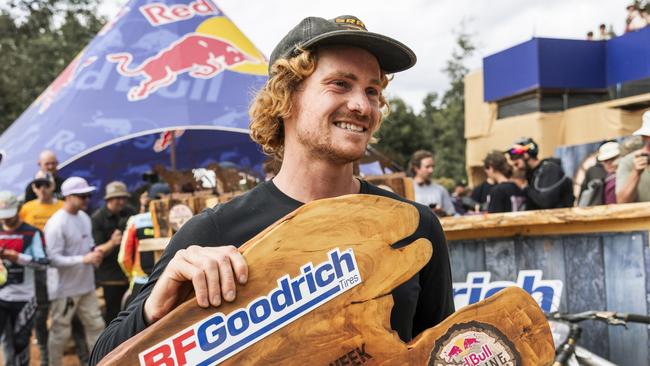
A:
{"points": [[545, 63]]}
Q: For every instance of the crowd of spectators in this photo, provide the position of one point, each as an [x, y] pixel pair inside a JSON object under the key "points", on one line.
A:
{"points": [[637, 18], [54, 257], [518, 180]]}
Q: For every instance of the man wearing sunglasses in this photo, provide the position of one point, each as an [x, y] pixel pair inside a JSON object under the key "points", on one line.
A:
{"points": [[70, 248], [546, 185]]}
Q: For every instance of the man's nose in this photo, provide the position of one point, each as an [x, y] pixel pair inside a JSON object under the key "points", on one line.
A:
{"points": [[359, 103]]}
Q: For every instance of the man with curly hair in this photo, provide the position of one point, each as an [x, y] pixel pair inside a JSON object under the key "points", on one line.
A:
{"points": [[317, 113]]}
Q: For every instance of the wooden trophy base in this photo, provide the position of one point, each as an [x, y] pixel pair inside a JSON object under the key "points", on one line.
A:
{"points": [[319, 293]]}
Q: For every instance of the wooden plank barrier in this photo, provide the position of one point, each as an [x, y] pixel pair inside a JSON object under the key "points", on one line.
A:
{"points": [[571, 260], [399, 183], [196, 202], [347, 315]]}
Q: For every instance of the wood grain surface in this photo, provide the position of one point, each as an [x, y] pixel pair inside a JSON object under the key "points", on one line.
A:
{"points": [[358, 319], [622, 217]]}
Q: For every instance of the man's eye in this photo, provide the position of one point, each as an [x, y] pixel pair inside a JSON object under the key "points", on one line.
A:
{"points": [[372, 91], [341, 83]]}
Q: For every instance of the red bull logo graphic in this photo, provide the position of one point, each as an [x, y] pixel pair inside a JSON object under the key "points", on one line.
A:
{"points": [[165, 140], [63, 80], [160, 14], [473, 344], [199, 55]]}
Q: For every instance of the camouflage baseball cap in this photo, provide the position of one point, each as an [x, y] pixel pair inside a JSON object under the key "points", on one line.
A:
{"points": [[8, 205]]}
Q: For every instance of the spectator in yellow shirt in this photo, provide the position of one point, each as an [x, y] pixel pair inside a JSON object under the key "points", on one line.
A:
{"points": [[36, 212]]}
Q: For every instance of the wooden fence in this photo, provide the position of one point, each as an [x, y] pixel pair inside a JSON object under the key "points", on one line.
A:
{"points": [[598, 256]]}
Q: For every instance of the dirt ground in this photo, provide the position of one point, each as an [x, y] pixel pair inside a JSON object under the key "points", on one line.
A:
{"points": [[35, 357]]}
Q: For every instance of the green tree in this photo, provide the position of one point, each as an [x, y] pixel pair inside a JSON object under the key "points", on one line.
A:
{"points": [[38, 38], [402, 133], [439, 127], [447, 117]]}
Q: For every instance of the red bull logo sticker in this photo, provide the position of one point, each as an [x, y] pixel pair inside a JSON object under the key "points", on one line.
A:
{"points": [[474, 344], [216, 46]]}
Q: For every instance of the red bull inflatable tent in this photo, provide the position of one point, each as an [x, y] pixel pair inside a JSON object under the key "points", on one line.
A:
{"points": [[159, 66]]}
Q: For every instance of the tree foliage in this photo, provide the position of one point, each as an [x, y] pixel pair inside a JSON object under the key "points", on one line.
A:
{"points": [[38, 38], [439, 127]]}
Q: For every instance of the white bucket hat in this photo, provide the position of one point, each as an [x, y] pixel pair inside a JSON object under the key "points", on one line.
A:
{"points": [[645, 126], [608, 151]]}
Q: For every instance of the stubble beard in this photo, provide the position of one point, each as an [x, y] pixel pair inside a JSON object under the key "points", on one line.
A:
{"points": [[321, 148]]}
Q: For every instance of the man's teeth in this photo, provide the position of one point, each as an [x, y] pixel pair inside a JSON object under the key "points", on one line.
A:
{"points": [[349, 126]]}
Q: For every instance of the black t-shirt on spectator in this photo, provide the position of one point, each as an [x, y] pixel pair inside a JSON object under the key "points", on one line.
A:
{"points": [[481, 192], [104, 224], [548, 186], [504, 196], [420, 303]]}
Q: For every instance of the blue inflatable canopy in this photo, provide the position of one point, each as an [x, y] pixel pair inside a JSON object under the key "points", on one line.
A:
{"points": [[160, 65]]}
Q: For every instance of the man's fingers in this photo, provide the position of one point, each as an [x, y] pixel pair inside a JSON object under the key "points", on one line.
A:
{"points": [[200, 283], [227, 278], [188, 268], [239, 266], [212, 271]]}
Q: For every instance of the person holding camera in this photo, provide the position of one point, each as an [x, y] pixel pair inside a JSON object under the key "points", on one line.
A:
{"points": [[633, 174]]}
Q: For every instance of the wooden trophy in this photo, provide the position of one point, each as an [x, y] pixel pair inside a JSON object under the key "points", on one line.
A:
{"points": [[319, 293]]}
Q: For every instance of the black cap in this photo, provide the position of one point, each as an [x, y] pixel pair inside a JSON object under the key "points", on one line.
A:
{"points": [[43, 178], [392, 55]]}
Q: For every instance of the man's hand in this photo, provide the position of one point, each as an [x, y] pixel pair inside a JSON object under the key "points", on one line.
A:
{"points": [[640, 162], [10, 254], [210, 272], [116, 238], [95, 258]]}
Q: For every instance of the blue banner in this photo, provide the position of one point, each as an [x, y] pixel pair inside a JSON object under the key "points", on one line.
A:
{"points": [[158, 66]]}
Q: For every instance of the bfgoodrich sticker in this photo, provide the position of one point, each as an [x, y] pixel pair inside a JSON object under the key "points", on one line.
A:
{"points": [[474, 344], [220, 336]]}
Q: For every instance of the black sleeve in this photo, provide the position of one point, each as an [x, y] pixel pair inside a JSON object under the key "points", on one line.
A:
{"points": [[200, 230], [477, 192], [546, 188], [98, 234], [436, 301], [498, 201]]}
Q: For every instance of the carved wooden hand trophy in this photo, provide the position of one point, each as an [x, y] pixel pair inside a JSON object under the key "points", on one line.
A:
{"points": [[319, 293]]}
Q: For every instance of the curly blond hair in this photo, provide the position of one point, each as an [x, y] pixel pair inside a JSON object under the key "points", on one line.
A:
{"points": [[272, 104]]}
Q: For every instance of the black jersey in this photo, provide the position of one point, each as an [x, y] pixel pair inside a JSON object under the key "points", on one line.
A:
{"points": [[420, 303]]}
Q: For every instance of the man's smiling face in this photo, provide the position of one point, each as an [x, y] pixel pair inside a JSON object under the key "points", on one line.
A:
{"points": [[338, 107]]}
